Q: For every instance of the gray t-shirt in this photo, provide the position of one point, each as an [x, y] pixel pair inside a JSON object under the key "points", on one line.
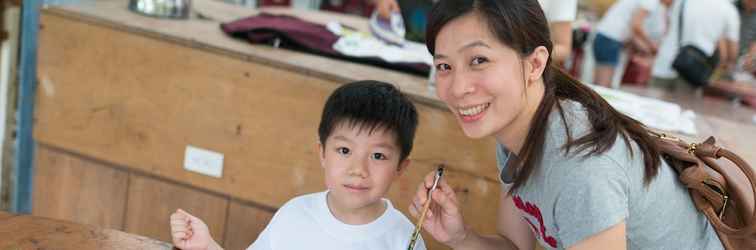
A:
{"points": [[571, 197], [747, 31]]}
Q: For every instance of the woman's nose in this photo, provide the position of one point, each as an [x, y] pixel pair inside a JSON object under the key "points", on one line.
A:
{"points": [[461, 85]]}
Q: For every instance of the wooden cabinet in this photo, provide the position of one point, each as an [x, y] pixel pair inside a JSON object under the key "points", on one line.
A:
{"points": [[246, 221], [151, 202], [67, 186], [134, 92]]}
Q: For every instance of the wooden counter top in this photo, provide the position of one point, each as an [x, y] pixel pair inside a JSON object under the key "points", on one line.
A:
{"points": [[30, 232], [202, 31]]}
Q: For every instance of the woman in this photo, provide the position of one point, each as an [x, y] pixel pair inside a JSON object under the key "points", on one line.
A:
{"points": [[578, 174], [623, 23]]}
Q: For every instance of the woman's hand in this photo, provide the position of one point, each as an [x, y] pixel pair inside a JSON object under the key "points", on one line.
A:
{"points": [[386, 7], [444, 219], [191, 233]]}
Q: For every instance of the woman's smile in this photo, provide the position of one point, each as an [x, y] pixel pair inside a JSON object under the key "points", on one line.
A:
{"points": [[473, 113]]}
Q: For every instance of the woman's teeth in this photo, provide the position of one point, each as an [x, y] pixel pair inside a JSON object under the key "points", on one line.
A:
{"points": [[473, 110]]}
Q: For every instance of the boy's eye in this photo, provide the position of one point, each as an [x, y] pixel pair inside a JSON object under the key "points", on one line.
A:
{"points": [[441, 67], [378, 156], [343, 150], [478, 60]]}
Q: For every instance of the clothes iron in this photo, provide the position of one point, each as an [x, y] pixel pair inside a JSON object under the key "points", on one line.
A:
{"points": [[390, 30], [176, 9]]}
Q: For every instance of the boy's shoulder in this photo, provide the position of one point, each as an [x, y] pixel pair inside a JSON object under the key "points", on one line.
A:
{"points": [[315, 205], [305, 202]]}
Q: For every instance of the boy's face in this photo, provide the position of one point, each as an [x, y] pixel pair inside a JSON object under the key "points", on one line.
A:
{"points": [[360, 166]]}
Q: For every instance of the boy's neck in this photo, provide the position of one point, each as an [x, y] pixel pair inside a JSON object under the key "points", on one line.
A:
{"points": [[355, 216]]}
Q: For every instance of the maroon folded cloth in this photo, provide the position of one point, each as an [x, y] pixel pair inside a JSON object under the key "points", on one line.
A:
{"points": [[294, 33], [265, 28]]}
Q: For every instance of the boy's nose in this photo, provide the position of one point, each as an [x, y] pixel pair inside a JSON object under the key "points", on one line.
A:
{"points": [[359, 168]]}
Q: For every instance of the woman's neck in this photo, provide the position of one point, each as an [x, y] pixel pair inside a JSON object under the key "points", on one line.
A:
{"points": [[513, 135]]}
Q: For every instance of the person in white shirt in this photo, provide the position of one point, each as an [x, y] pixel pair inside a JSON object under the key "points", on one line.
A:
{"points": [[366, 133], [705, 24], [623, 23], [559, 13]]}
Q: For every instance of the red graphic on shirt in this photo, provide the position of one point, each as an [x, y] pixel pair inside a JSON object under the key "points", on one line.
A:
{"points": [[534, 211]]}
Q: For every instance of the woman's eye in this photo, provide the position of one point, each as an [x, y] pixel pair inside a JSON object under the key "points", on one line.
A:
{"points": [[441, 67], [342, 151], [478, 60], [378, 156]]}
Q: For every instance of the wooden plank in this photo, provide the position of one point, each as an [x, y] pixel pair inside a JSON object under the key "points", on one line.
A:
{"points": [[245, 222], [5, 215], [71, 188], [152, 201], [31, 232]]}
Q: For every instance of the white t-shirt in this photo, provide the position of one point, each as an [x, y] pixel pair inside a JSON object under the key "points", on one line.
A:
{"points": [[306, 222], [559, 10], [705, 22], [617, 22]]}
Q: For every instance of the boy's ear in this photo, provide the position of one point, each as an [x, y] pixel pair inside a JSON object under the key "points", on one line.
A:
{"points": [[402, 166], [321, 153]]}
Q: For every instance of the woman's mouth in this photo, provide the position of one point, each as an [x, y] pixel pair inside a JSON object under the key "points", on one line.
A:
{"points": [[473, 113]]}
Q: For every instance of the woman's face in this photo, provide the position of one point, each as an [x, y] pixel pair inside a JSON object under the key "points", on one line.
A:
{"points": [[480, 79]]}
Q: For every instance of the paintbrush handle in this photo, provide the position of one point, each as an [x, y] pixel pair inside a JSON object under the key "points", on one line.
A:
{"points": [[426, 207], [420, 222]]}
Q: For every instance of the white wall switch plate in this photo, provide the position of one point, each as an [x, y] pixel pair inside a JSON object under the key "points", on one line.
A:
{"points": [[203, 161]]}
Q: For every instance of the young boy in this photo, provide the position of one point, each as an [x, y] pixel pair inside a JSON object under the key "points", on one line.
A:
{"points": [[366, 133]]}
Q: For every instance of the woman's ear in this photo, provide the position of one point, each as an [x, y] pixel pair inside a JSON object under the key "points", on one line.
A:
{"points": [[537, 63]]}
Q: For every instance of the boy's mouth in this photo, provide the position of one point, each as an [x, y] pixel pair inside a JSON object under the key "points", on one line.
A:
{"points": [[356, 188]]}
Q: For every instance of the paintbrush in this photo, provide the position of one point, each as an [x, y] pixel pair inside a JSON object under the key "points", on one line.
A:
{"points": [[416, 234]]}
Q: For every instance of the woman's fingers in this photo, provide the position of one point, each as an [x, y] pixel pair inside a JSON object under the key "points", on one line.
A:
{"points": [[386, 7], [444, 196], [421, 195]]}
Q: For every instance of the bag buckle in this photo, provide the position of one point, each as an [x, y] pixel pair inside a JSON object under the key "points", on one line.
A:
{"points": [[664, 136], [692, 148], [721, 212]]}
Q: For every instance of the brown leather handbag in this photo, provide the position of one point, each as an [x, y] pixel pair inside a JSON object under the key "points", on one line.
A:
{"points": [[723, 190]]}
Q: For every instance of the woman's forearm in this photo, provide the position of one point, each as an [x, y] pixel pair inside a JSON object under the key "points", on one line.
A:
{"points": [[475, 241]]}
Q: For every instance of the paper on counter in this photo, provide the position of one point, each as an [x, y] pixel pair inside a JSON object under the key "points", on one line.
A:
{"points": [[652, 112], [360, 44]]}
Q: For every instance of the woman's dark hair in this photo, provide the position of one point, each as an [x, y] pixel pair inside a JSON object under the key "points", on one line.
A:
{"points": [[522, 26]]}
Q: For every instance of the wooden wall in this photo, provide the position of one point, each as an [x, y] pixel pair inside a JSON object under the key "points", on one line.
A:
{"points": [[115, 111]]}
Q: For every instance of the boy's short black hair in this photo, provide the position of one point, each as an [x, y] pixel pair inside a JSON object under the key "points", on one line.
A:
{"points": [[371, 105]]}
